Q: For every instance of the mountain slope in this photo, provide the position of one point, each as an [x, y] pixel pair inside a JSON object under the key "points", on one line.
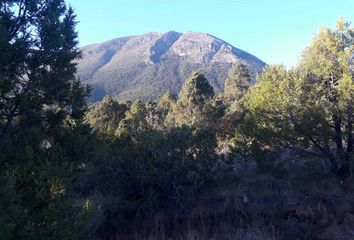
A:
{"points": [[148, 65]]}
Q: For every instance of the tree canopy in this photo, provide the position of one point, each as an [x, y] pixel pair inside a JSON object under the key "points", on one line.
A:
{"points": [[309, 108], [237, 82], [42, 140]]}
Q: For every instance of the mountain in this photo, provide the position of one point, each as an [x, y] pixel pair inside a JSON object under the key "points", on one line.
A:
{"points": [[148, 65]]}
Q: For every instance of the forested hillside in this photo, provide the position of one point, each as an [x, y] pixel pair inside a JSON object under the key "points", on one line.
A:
{"points": [[271, 160]]}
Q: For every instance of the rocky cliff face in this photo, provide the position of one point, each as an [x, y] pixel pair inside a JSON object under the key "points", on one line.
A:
{"points": [[148, 65]]}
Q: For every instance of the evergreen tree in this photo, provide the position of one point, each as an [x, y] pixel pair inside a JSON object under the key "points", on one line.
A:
{"points": [[165, 108], [167, 102], [310, 109], [135, 121], [237, 83], [37, 67], [196, 90], [106, 116], [41, 107], [328, 65], [194, 104]]}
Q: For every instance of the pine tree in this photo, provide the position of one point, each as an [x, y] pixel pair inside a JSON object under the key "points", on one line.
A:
{"points": [[42, 141], [194, 104], [166, 102], [106, 116], [135, 121], [196, 90], [38, 46], [236, 86], [310, 109], [328, 65], [237, 83]]}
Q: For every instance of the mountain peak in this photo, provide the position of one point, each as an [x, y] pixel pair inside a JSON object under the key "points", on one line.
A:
{"points": [[148, 65]]}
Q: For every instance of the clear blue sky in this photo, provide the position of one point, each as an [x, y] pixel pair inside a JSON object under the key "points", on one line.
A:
{"points": [[276, 31]]}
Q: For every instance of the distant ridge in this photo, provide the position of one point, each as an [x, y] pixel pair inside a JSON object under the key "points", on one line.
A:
{"points": [[148, 65]]}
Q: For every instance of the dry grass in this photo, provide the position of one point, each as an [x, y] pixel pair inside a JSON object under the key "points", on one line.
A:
{"points": [[260, 206]]}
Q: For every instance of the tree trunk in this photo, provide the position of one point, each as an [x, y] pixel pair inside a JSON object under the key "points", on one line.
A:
{"points": [[349, 151], [333, 163], [338, 138]]}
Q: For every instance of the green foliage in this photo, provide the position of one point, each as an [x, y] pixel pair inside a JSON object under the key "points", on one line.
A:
{"points": [[106, 116], [309, 109], [242, 147], [196, 90], [42, 142], [151, 164], [35, 66], [9, 209], [237, 83], [194, 106], [166, 103], [283, 112], [135, 121], [160, 171], [328, 63]]}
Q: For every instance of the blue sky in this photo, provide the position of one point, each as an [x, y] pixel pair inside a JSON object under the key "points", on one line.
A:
{"points": [[276, 31]]}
